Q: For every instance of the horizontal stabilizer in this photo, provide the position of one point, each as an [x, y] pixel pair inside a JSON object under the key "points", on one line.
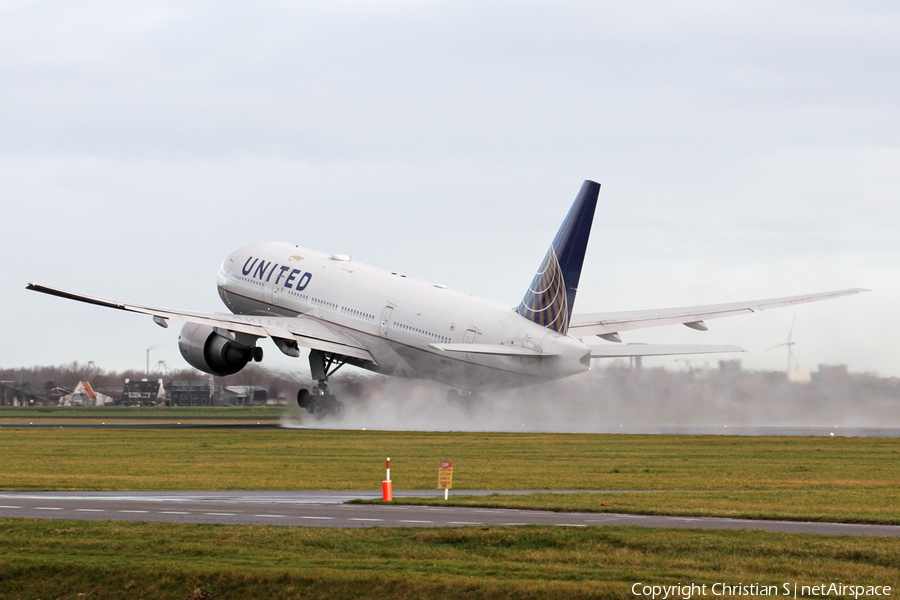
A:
{"points": [[625, 350], [305, 331], [500, 349]]}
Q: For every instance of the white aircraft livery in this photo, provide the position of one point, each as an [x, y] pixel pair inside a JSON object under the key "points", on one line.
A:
{"points": [[347, 312]]}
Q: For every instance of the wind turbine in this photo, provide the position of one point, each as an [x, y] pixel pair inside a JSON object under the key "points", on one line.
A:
{"points": [[789, 344], [149, 348]]}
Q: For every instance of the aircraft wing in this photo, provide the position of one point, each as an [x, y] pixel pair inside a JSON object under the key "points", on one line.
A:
{"points": [[613, 322], [625, 350], [306, 331], [501, 349]]}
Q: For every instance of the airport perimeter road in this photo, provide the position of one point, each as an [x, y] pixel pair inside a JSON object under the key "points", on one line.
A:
{"points": [[326, 509]]}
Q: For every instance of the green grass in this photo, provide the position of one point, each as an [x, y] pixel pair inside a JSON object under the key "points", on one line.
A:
{"points": [[104, 559], [840, 479], [44, 414], [834, 479], [316, 459]]}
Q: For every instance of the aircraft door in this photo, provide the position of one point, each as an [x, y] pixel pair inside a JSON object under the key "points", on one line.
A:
{"points": [[469, 338], [385, 319], [276, 295]]}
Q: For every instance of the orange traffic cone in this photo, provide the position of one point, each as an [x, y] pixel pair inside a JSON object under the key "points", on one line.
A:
{"points": [[387, 488]]}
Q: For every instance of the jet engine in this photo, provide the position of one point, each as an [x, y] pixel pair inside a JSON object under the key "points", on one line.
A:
{"points": [[211, 352]]}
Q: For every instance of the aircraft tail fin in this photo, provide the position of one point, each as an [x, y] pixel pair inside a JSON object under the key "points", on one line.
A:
{"points": [[549, 300]]}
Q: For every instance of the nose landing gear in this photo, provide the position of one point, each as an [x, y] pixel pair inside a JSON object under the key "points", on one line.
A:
{"points": [[318, 402]]}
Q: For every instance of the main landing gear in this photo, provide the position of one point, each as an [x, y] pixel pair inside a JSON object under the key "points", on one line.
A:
{"points": [[318, 402], [463, 401]]}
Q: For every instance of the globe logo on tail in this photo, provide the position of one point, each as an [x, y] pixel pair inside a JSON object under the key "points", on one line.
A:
{"points": [[545, 301]]}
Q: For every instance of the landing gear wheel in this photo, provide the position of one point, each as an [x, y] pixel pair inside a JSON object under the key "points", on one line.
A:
{"points": [[319, 410], [461, 401], [319, 402], [303, 398]]}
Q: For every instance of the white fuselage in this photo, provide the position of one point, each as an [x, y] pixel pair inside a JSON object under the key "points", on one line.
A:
{"points": [[396, 317]]}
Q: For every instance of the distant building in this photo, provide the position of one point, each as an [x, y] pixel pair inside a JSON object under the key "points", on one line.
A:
{"points": [[244, 395], [833, 373], [142, 393], [55, 394], [730, 367], [14, 394], [10, 394], [190, 393], [280, 400], [802, 374], [84, 395]]}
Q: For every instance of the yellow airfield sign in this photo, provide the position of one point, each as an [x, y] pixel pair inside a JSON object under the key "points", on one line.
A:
{"points": [[445, 476]]}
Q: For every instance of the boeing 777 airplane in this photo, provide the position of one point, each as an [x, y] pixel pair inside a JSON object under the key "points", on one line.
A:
{"points": [[349, 313]]}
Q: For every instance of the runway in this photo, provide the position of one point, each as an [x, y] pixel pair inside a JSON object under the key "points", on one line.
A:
{"points": [[166, 425], [328, 509], [740, 430]]}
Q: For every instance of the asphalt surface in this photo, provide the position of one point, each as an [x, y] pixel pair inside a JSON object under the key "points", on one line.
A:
{"points": [[46, 425], [880, 432], [327, 509]]}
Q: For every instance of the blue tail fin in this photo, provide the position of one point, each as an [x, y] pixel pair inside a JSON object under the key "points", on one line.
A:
{"points": [[550, 298]]}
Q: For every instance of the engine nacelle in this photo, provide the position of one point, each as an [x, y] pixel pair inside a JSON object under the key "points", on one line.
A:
{"points": [[212, 353]]}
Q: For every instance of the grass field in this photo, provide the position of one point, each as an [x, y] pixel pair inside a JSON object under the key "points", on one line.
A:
{"points": [[150, 414], [849, 479], [102, 559], [839, 479]]}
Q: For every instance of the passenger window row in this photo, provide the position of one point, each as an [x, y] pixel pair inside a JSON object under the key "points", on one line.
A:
{"points": [[298, 295], [323, 303], [247, 281], [358, 314], [421, 333]]}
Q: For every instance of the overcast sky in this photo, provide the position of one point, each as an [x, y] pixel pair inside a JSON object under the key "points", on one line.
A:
{"points": [[745, 150]]}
